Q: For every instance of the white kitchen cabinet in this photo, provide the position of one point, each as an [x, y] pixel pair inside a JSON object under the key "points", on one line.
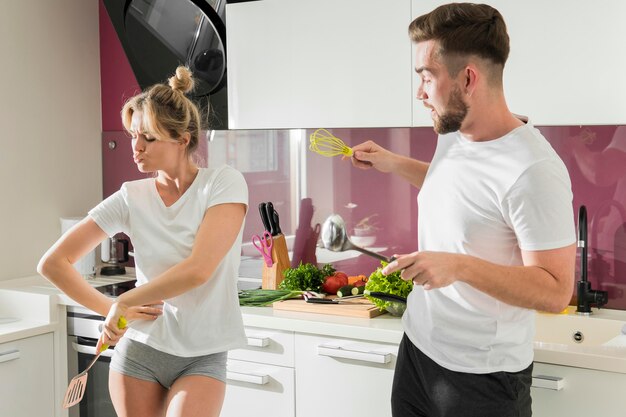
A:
{"points": [[260, 378], [567, 60], [346, 377], [319, 63], [27, 377], [584, 392], [322, 63]]}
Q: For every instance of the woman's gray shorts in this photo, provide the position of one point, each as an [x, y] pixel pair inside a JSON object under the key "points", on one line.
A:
{"points": [[141, 361]]}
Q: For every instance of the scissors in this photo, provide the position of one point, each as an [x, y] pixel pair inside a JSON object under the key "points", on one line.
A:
{"points": [[264, 245]]}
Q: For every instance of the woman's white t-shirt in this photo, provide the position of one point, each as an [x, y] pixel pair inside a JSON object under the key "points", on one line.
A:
{"points": [[489, 200], [206, 319]]}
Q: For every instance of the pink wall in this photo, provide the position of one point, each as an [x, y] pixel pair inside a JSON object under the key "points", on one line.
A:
{"points": [[117, 78]]}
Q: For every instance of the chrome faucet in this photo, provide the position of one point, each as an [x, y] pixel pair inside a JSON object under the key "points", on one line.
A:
{"points": [[585, 295]]}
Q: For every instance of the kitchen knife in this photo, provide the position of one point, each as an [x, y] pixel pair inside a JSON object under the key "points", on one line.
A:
{"points": [[321, 301], [276, 222], [273, 220], [386, 297], [264, 218]]}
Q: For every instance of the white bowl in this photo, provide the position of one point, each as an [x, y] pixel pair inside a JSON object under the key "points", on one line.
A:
{"points": [[363, 241]]}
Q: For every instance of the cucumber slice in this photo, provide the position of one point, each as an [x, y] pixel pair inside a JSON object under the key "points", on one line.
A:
{"points": [[358, 290], [345, 291]]}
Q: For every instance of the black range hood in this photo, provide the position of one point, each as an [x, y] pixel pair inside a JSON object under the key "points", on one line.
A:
{"points": [[159, 35]]}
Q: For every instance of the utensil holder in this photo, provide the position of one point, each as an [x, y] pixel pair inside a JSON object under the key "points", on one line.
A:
{"points": [[273, 275]]}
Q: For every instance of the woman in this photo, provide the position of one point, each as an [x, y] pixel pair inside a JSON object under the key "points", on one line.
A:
{"points": [[185, 225]]}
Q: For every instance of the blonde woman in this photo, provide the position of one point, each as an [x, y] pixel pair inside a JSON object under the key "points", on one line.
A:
{"points": [[185, 225]]}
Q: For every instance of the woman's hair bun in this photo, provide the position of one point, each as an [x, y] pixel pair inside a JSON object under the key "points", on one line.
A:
{"points": [[182, 80]]}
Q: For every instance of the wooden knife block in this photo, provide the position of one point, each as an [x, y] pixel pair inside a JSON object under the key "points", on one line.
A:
{"points": [[273, 275]]}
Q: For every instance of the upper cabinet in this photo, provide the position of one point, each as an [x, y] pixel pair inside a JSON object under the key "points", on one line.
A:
{"points": [[567, 60], [318, 63], [324, 63]]}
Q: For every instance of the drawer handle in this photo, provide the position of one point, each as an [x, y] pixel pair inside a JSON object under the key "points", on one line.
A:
{"points": [[555, 383], [9, 355], [250, 378], [258, 341], [339, 352], [91, 350]]}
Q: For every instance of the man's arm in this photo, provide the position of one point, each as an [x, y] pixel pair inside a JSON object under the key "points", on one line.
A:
{"points": [[371, 155], [545, 282]]}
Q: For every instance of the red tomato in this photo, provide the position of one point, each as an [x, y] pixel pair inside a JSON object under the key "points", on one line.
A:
{"points": [[342, 274], [332, 284]]}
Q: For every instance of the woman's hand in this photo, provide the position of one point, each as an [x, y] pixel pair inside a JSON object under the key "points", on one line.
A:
{"points": [[148, 312], [111, 333]]}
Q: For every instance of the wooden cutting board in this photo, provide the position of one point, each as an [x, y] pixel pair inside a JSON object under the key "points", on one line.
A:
{"points": [[362, 308]]}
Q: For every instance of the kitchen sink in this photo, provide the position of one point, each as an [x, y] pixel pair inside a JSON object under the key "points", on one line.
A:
{"points": [[593, 342], [574, 330]]}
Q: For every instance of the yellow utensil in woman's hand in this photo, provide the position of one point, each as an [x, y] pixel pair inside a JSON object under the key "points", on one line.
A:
{"points": [[326, 144]]}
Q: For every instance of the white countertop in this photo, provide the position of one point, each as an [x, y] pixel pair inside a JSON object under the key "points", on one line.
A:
{"points": [[35, 301], [383, 328], [24, 328]]}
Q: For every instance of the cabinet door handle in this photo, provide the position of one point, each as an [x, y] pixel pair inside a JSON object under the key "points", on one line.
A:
{"points": [[250, 378], [555, 383], [339, 352], [258, 341], [9, 355], [91, 350]]}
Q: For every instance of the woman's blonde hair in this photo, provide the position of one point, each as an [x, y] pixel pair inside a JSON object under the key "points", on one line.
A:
{"points": [[167, 112]]}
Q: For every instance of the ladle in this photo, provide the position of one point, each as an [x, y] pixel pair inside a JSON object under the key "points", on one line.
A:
{"points": [[335, 238]]}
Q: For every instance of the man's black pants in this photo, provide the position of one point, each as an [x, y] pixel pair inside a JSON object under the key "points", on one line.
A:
{"points": [[422, 388]]}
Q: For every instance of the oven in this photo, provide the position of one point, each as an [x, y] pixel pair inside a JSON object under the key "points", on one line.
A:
{"points": [[83, 329]]}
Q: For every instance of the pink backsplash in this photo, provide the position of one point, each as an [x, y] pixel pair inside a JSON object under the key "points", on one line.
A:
{"points": [[594, 155], [117, 80]]}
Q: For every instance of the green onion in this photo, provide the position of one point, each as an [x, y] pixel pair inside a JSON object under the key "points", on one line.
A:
{"points": [[260, 298]]}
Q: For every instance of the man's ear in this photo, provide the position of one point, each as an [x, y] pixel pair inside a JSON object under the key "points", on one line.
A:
{"points": [[470, 79]]}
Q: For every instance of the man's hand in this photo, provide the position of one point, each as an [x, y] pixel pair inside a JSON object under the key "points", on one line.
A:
{"points": [[428, 269]]}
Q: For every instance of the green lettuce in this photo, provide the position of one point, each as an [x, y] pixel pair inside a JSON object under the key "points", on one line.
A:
{"points": [[389, 284]]}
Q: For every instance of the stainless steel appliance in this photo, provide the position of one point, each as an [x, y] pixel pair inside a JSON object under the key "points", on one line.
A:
{"points": [[114, 252], [158, 35], [83, 329]]}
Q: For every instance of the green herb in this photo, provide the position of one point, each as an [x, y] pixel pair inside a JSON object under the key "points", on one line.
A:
{"points": [[260, 298], [390, 284], [305, 277]]}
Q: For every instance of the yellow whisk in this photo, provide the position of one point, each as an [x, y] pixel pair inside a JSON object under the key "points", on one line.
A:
{"points": [[324, 143]]}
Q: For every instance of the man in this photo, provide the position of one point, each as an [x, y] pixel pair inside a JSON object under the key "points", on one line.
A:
{"points": [[496, 230]]}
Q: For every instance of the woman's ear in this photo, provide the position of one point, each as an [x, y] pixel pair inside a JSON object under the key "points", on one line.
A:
{"points": [[184, 139]]}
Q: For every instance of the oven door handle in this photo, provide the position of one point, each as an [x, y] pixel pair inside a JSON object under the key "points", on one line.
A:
{"points": [[91, 350]]}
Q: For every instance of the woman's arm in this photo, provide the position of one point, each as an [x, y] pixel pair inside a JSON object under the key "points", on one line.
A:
{"points": [[216, 235], [57, 265]]}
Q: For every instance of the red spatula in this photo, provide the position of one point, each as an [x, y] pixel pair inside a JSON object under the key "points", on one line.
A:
{"points": [[76, 389]]}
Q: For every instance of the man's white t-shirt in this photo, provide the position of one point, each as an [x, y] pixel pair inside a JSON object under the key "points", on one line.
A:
{"points": [[489, 200], [206, 319]]}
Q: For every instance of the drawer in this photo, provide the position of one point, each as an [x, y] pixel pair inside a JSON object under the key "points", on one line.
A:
{"points": [[345, 366], [579, 391], [27, 377], [259, 389], [274, 347]]}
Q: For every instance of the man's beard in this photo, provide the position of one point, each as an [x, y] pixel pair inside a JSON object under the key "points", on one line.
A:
{"points": [[453, 116]]}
